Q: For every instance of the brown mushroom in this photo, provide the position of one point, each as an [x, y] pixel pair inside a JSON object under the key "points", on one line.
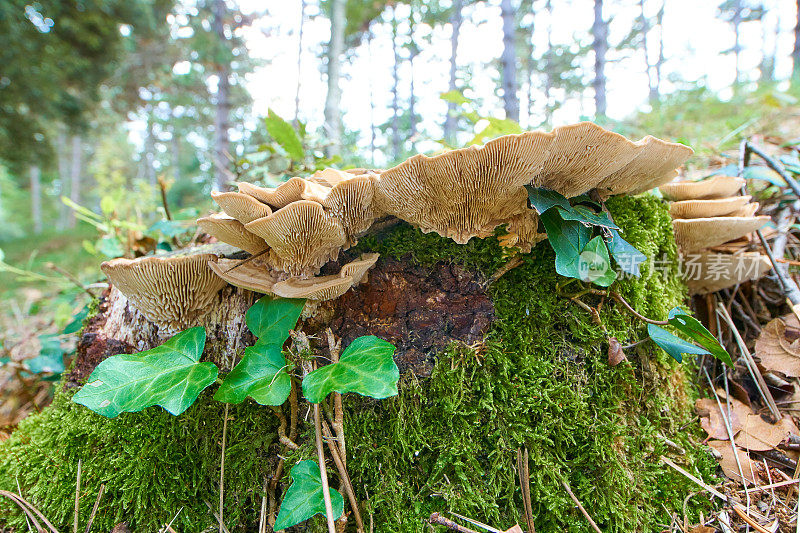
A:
{"points": [[240, 206], [698, 233], [319, 288], [351, 201], [252, 275], [233, 232], [709, 272], [748, 210], [302, 237], [716, 187], [290, 191], [174, 290], [708, 208], [358, 269]]}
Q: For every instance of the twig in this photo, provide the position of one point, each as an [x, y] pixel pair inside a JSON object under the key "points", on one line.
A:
{"points": [[326, 495], [335, 347], [755, 525], [340, 466], [222, 469], [77, 498], [525, 487], [284, 439], [751, 364], [771, 163], [618, 297], [71, 277], [162, 184], [169, 526], [438, 519], [27, 509], [97, 506], [578, 503], [511, 264]]}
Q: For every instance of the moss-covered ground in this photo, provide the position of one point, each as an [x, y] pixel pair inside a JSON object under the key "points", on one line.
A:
{"points": [[540, 380]]}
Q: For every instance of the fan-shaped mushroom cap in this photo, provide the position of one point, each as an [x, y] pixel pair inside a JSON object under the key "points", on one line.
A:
{"points": [[522, 231], [319, 288], [240, 206], [716, 187], [302, 237], [351, 201], [464, 193], [233, 232], [708, 208], [357, 269], [654, 164], [250, 275], [173, 290], [710, 272], [698, 233], [290, 191], [748, 210]]}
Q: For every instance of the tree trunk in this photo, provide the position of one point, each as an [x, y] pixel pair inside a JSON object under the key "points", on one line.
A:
{"points": [[75, 176], [412, 53], [796, 49], [645, 23], [509, 61], [768, 53], [600, 47], [63, 177], [395, 84], [655, 92], [221, 156], [36, 198], [333, 118], [299, 62], [175, 144], [150, 148], [548, 68], [455, 25], [372, 132], [737, 47]]}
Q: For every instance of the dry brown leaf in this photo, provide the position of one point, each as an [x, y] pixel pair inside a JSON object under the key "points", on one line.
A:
{"points": [[702, 529], [712, 421], [778, 346], [750, 469], [615, 353], [759, 435]]}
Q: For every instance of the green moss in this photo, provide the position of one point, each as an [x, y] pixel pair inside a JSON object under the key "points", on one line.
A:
{"points": [[541, 380]]}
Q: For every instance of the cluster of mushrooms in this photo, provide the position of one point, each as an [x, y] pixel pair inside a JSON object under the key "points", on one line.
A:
{"points": [[292, 231], [710, 213]]}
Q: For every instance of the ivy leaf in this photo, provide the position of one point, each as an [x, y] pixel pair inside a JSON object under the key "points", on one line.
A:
{"points": [[586, 215], [692, 328], [366, 367], [77, 321], [261, 374], [50, 358], [671, 344], [595, 265], [284, 135], [169, 375], [626, 255], [304, 498], [270, 319], [568, 239], [543, 199]]}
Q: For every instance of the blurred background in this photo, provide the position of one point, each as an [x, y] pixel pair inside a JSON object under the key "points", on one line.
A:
{"points": [[118, 117]]}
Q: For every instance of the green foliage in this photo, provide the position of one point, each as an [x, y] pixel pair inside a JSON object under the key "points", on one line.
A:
{"points": [[270, 319], [261, 374], [304, 498], [568, 239], [51, 357], [674, 346], [366, 367], [692, 328], [285, 136], [169, 375], [595, 263], [627, 257]]}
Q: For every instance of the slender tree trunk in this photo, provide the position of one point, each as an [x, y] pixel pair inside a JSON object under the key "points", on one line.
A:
{"points": [[737, 46], [299, 62], [529, 78], [150, 148], [412, 97], [455, 25], [372, 132], [600, 47], [223, 104], [796, 49], [655, 94], [395, 84], [176, 156], [63, 177], [75, 176], [767, 66], [333, 118], [509, 61], [645, 22], [36, 198], [548, 68]]}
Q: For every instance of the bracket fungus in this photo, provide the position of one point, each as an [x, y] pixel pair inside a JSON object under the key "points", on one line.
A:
{"points": [[240, 206], [698, 233], [287, 192], [231, 231], [709, 208], [709, 272], [173, 290], [715, 187]]}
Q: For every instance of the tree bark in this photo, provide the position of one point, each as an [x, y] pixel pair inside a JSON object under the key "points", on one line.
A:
{"points": [[737, 47], [395, 83], [333, 118], [412, 53], [655, 95], [299, 62], [36, 198], [600, 47], [75, 176], [150, 148], [63, 177], [176, 156], [223, 104], [455, 25], [509, 62]]}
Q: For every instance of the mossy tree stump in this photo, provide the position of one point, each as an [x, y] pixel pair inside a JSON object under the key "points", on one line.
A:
{"points": [[488, 368]]}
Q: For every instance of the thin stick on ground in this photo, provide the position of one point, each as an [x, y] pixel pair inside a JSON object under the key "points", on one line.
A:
{"points": [[440, 520], [222, 469], [348, 485], [580, 507], [326, 495], [335, 348], [95, 508], [77, 498], [525, 486], [28, 508], [162, 184]]}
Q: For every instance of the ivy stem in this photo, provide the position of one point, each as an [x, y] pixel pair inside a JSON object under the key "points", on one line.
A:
{"points": [[618, 297], [348, 485], [222, 469], [326, 494]]}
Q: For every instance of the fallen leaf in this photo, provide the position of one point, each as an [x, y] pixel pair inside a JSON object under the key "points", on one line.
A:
{"points": [[759, 435], [615, 353], [702, 529], [727, 461], [778, 346], [712, 421]]}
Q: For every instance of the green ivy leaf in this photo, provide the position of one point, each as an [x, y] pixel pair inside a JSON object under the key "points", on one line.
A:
{"points": [[542, 199], [284, 135], [50, 358], [692, 328], [627, 256], [77, 321], [585, 214], [366, 367], [568, 239], [304, 498], [261, 374], [595, 265], [270, 319], [671, 344], [169, 375]]}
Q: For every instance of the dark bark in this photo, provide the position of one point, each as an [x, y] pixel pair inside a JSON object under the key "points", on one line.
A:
{"points": [[509, 61], [36, 198], [333, 118], [455, 26], [221, 155], [600, 47]]}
